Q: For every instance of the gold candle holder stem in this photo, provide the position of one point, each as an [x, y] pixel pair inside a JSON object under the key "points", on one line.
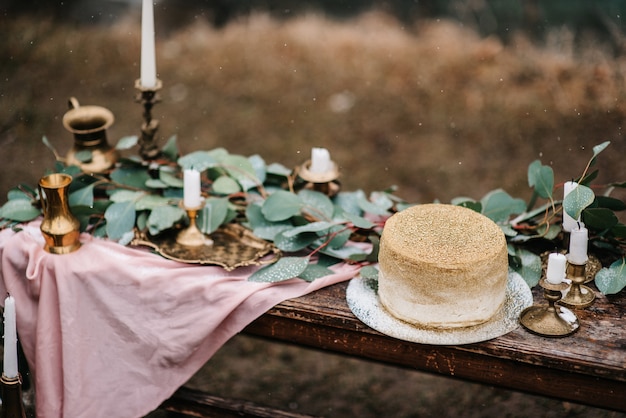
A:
{"points": [[148, 97], [578, 296], [552, 320], [12, 403], [326, 183], [192, 236]]}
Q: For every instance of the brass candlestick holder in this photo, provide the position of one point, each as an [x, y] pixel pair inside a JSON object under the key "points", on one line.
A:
{"points": [[12, 403], [578, 296], [192, 236], [552, 320], [326, 182], [148, 97]]}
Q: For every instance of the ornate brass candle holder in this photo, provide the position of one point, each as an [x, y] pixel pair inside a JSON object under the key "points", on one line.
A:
{"points": [[326, 182], [552, 320], [148, 97], [192, 236], [89, 125], [578, 296], [12, 403]]}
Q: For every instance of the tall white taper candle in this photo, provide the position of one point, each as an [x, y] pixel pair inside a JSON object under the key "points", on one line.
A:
{"points": [[148, 56], [10, 339]]}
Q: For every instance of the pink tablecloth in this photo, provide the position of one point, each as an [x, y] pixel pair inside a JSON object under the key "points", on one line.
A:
{"points": [[112, 331]]}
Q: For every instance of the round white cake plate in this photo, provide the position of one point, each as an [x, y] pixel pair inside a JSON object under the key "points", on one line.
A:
{"points": [[364, 302]]}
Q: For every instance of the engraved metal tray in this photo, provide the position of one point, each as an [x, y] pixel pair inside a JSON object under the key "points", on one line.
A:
{"points": [[233, 246]]}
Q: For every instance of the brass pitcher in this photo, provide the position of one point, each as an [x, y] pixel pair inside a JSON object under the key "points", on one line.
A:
{"points": [[60, 229], [89, 125]]}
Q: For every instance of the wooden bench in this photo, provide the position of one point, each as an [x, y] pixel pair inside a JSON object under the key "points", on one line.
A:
{"points": [[588, 367]]}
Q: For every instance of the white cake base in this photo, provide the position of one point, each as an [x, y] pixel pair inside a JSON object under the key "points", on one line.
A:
{"points": [[364, 302]]}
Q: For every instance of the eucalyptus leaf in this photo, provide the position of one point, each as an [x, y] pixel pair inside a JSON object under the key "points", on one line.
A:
{"points": [[120, 217], [281, 205], [541, 178], [197, 160], [340, 236], [134, 177], [310, 227], [127, 142], [150, 201], [577, 200], [17, 194], [164, 217], [19, 210], [528, 265], [612, 280], [156, 184], [369, 272], [170, 149], [225, 185], [499, 206], [599, 218], [284, 269], [278, 170], [599, 148], [317, 204], [82, 196], [241, 170], [315, 271], [359, 221], [260, 168], [349, 201], [294, 243], [170, 179], [212, 214], [377, 207], [125, 195]]}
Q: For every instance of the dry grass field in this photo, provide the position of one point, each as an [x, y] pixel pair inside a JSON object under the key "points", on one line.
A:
{"points": [[430, 107]]}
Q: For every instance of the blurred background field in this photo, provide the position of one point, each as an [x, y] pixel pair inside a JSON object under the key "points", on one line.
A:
{"points": [[439, 98]]}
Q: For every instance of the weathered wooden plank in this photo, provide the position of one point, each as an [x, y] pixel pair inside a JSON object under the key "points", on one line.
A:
{"points": [[195, 403], [588, 367]]}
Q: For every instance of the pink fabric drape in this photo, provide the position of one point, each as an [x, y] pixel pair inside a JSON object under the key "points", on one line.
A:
{"points": [[112, 331]]}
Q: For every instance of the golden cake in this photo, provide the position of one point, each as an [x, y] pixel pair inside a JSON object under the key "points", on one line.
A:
{"points": [[442, 266]]}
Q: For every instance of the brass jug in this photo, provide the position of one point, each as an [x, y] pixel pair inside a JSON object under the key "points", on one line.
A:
{"points": [[60, 229], [89, 125]]}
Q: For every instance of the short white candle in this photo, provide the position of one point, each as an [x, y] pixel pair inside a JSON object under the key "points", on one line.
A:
{"points": [[320, 161], [148, 56], [10, 339], [578, 246], [569, 223], [556, 268], [191, 191]]}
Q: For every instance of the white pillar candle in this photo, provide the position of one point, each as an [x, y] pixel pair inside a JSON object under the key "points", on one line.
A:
{"points": [[569, 223], [191, 192], [148, 56], [578, 245], [556, 268], [10, 339], [320, 161]]}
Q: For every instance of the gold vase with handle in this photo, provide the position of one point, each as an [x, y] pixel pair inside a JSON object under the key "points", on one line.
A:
{"points": [[89, 125]]}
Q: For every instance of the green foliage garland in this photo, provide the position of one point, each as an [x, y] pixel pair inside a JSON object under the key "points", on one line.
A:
{"points": [[275, 204]]}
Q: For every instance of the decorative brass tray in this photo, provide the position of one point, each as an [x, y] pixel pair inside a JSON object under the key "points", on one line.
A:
{"points": [[233, 246]]}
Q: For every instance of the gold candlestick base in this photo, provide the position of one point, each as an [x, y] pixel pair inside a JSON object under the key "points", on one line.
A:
{"points": [[578, 296], [12, 403], [551, 320], [192, 236], [326, 182]]}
